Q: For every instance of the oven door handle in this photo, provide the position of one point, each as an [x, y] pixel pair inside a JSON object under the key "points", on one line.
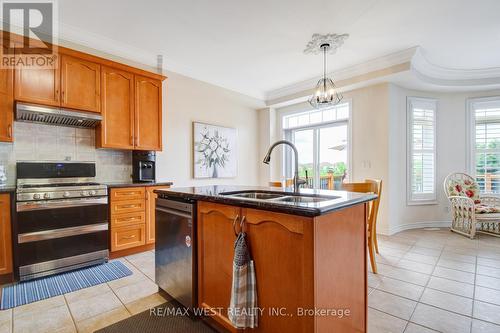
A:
{"points": [[60, 233], [40, 205]]}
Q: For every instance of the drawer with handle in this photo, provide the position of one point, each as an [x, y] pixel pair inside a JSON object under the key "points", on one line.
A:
{"points": [[128, 236], [119, 220], [128, 206], [128, 193]]}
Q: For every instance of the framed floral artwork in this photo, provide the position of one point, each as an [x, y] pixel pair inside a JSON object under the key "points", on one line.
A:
{"points": [[215, 152]]}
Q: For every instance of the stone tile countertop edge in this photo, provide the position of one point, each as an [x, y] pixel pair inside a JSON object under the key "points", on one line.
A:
{"points": [[118, 185], [340, 200]]}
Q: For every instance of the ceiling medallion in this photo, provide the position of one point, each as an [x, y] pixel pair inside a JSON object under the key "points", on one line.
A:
{"points": [[334, 40], [325, 93]]}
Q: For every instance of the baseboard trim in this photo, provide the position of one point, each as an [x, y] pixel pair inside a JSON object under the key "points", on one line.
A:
{"points": [[419, 225]]}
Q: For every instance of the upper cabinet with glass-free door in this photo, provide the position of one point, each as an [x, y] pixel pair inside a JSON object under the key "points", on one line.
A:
{"points": [[148, 108], [38, 85], [117, 103], [75, 84], [6, 105], [80, 84]]}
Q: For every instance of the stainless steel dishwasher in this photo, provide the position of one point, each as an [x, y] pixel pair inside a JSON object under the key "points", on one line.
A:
{"points": [[175, 249]]}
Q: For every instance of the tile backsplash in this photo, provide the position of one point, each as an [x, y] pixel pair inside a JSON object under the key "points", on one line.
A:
{"points": [[37, 142]]}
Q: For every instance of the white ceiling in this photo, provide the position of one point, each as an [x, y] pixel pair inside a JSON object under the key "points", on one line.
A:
{"points": [[255, 47]]}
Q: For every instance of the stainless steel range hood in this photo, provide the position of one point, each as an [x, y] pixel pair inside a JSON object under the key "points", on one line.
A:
{"points": [[56, 116]]}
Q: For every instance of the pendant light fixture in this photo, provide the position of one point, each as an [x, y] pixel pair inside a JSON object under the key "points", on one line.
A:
{"points": [[326, 93]]}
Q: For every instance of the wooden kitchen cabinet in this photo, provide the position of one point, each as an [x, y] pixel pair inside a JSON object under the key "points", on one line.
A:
{"points": [[148, 113], [215, 258], [38, 86], [116, 129], [6, 105], [5, 235], [129, 98], [300, 262], [281, 247], [279, 243], [80, 84], [132, 215], [127, 193], [127, 237], [132, 111], [127, 206], [74, 84]]}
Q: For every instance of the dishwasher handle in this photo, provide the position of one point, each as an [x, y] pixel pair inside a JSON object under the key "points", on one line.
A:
{"points": [[174, 212]]}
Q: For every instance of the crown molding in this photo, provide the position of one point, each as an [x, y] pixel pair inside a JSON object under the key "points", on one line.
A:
{"points": [[372, 65], [127, 52], [454, 77]]}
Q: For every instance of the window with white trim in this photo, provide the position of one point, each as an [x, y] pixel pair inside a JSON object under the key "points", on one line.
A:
{"points": [[421, 141], [322, 140], [484, 152]]}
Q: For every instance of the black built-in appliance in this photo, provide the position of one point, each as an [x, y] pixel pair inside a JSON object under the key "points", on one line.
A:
{"points": [[143, 166], [61, 219]]}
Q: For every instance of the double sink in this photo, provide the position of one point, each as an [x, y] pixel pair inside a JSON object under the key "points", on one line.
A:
{"points": [[279, 197]]}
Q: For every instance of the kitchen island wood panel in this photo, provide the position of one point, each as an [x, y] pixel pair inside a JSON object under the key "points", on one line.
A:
{"points": [[302, 264]]}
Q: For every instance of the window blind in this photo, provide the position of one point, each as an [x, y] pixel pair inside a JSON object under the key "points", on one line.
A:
{"points": [[486, 145], [421, 150]]}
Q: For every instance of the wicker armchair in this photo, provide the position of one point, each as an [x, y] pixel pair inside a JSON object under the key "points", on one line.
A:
{"points": [[470, 212]]}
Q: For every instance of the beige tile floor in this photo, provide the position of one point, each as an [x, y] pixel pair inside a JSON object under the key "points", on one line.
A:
{"points": [[435, 281], [92, 308], [428, 281]]}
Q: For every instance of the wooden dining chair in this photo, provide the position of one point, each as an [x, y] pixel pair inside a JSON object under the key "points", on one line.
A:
{"points": [[289, 182], [369, 186]]}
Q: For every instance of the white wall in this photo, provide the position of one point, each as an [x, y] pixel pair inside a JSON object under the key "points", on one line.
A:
{"points": [[187, 100], [451, 155]]}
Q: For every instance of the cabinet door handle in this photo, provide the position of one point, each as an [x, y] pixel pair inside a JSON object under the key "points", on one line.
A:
{"points": [[129, 206], [130, 218], [234, 225], [57, 95], [9, 131], [128, 237], [130, 193]]}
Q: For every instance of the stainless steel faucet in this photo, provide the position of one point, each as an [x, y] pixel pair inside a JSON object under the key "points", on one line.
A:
{"points": [[296, 181]]}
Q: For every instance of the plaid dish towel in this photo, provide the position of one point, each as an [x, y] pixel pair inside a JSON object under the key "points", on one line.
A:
{"points": [[243, 306]]}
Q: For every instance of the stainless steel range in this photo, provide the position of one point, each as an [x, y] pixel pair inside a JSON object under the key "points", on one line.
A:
{"points": [[61, 220]]}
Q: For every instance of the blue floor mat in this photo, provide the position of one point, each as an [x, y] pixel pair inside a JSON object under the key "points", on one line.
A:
{"points": [[43, 288]]}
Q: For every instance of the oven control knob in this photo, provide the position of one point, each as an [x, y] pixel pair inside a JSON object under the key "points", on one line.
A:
{"points": [[84, 193], [46, 196], [92, 192], [66, 194], [36, 196]]}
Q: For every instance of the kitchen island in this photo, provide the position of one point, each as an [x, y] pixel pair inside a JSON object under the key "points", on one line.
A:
{"points": [[309, 252]]}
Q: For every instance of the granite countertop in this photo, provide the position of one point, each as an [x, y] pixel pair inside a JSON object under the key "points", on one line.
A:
{"points": [[116, 185], [7, 188], [339, 199]]}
